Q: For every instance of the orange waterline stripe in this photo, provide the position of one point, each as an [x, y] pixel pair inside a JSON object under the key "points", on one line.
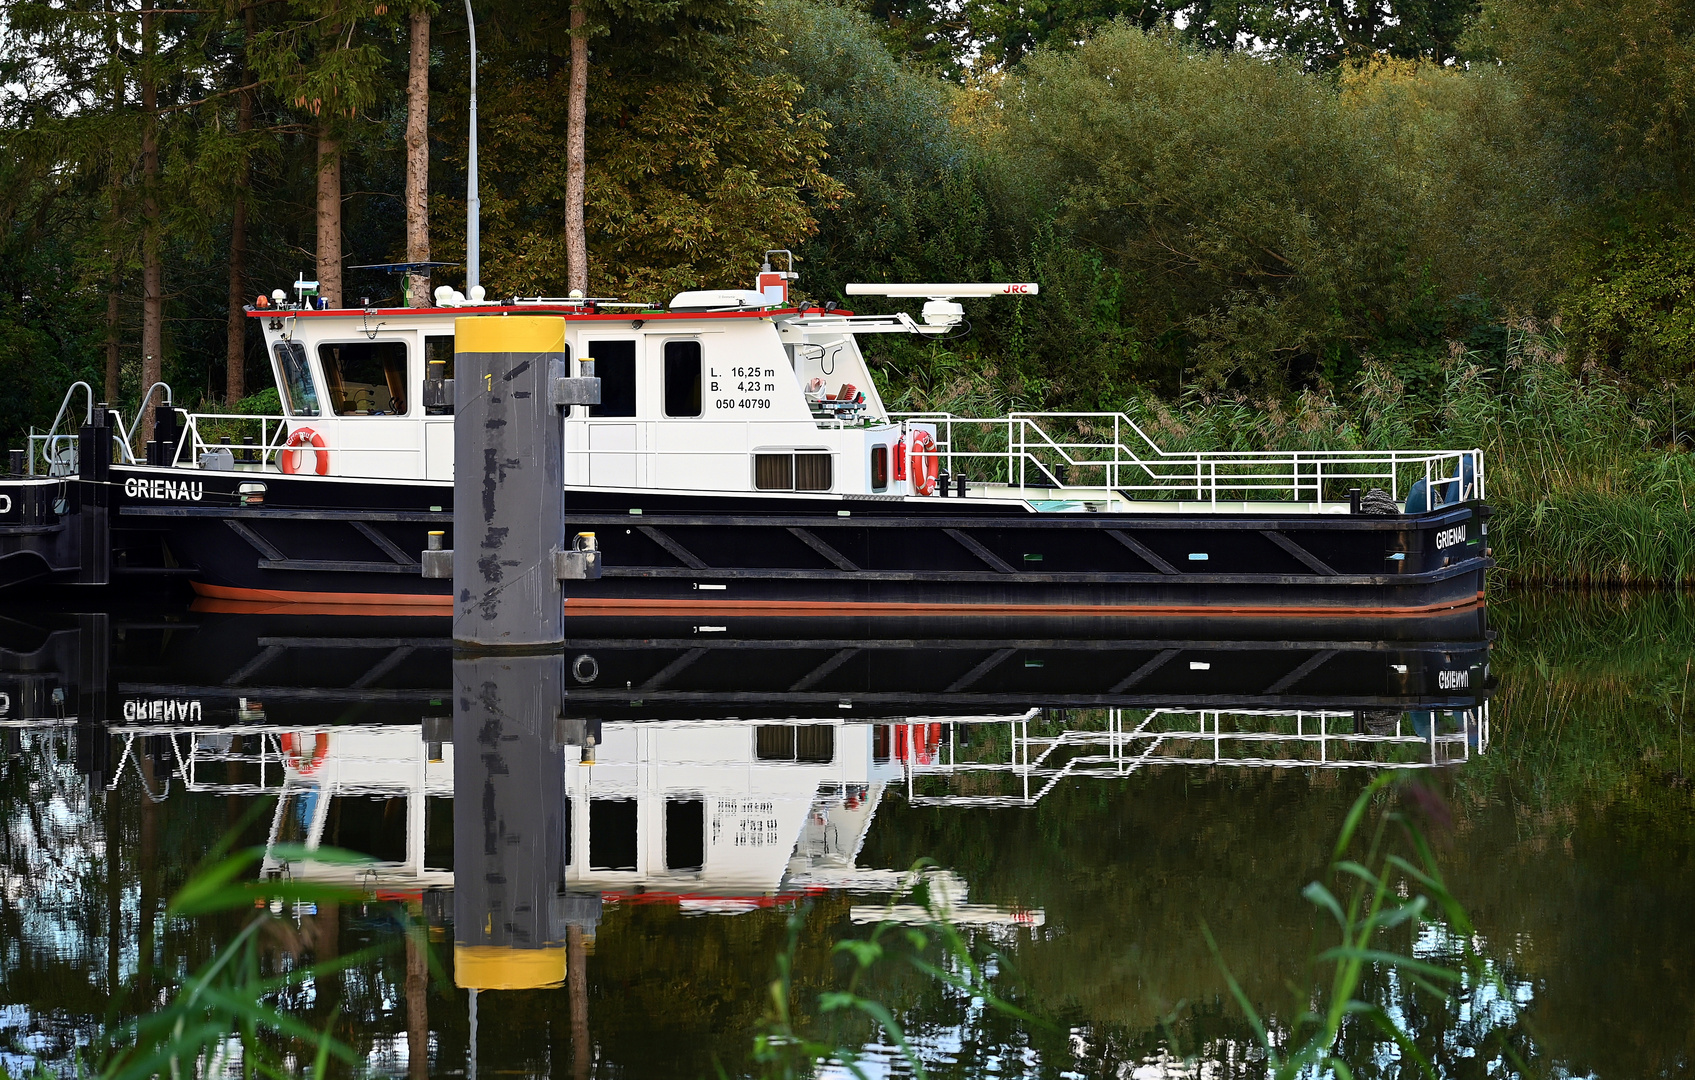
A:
{"points": [[290, 602]]}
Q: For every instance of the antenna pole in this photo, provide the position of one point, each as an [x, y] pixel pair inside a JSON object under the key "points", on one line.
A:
{"points": [[473, 230]]}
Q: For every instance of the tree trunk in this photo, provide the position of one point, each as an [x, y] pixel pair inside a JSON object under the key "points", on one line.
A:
{"points": [[235, 355], [113, 284], [114, 277], [577, 975], [152, 274], [329, 215], [576, 117], [418, 156], [417, 997]]}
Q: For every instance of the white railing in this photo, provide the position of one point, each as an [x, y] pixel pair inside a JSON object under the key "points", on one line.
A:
{"points": [[1252, 739], [58, 449], [271, 434], [251, 746], [1117, 461]]}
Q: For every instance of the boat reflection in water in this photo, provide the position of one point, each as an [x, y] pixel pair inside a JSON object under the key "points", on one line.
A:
{"points": [[720, 769]]}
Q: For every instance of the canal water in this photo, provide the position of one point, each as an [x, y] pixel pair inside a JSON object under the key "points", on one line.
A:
{"points": [[600, 864]]}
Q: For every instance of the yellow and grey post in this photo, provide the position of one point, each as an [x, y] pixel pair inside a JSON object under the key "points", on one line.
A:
{"points": [[508, 822], [515, 927], [511, 385]]}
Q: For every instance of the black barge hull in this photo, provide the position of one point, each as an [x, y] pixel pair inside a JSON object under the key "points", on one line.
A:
{"points": [[266, 537]]}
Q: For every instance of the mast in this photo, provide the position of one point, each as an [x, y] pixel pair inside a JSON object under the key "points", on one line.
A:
{"points": [[473, 237]]}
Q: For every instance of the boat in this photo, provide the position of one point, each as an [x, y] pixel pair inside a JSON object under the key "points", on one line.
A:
{"points": [[742, 459]]}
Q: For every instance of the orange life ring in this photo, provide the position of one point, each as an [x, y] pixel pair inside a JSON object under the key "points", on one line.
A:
{"points": [[298, 440], [926, 464], [320, 750]]}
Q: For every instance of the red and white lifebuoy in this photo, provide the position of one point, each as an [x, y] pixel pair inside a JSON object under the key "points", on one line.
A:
{"points": [[288, 458], [311, 764], [926, 463]]}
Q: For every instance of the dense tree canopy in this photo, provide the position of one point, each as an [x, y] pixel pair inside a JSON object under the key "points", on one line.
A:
{"points": [[1216, 195]]}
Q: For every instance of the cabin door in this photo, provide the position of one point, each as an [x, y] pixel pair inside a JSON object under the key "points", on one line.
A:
{"points": [[611, 434]]}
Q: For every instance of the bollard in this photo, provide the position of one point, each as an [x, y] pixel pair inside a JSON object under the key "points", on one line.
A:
{"points": [[94, 495], [508, 556]]}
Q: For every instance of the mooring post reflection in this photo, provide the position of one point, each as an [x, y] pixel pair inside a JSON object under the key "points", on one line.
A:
{"points": [[508, 823], [514, 926]]}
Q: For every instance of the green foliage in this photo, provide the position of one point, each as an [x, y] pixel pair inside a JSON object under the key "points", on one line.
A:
{"points": [[1636, 307], [227, 1010], [1278, 226], [997, 34], [700, 158], [796, 1038], [1355, 995], [1388, 892]]}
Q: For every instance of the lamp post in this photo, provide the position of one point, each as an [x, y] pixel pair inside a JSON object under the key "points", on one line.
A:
{"points": [[473, 229]]}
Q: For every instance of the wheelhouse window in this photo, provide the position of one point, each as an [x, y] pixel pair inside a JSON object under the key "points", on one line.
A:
{"points": [[366, 378], [615, 365], [682, 378], [879, 468], [438, 370], [294, 376], [791, 470], [438, 356]]}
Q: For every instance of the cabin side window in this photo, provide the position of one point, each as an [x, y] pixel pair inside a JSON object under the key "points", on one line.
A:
{"points": [[294, 377], [789, 470], [682, 378], [615, 365], [810, 743], [879, 468], [438, 368], [438, 356], [366, 378]]}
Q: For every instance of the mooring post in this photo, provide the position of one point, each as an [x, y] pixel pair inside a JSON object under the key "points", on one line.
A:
{"points": [[94, 495], [511, 384]]}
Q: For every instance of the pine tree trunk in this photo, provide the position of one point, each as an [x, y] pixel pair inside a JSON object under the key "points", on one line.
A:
{"points": [[577, 975], [235, 351], [418, 156], [235, 356], [114, 277], [329, 215], [113, 285], [152, 274], [417, 1000], [576, 117]]}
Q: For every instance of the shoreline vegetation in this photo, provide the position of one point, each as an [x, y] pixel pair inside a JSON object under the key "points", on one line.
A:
{"points": [[1463, 225], [1587, 492]]}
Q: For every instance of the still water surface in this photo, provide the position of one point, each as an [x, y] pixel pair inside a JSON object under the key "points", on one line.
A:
{"points": [[642, 820]]}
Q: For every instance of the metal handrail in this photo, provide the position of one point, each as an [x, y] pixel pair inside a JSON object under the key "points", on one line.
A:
{"points": [[1120, 755], [1200, 474], [273, 437], [53, 432], [141, 411]]}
